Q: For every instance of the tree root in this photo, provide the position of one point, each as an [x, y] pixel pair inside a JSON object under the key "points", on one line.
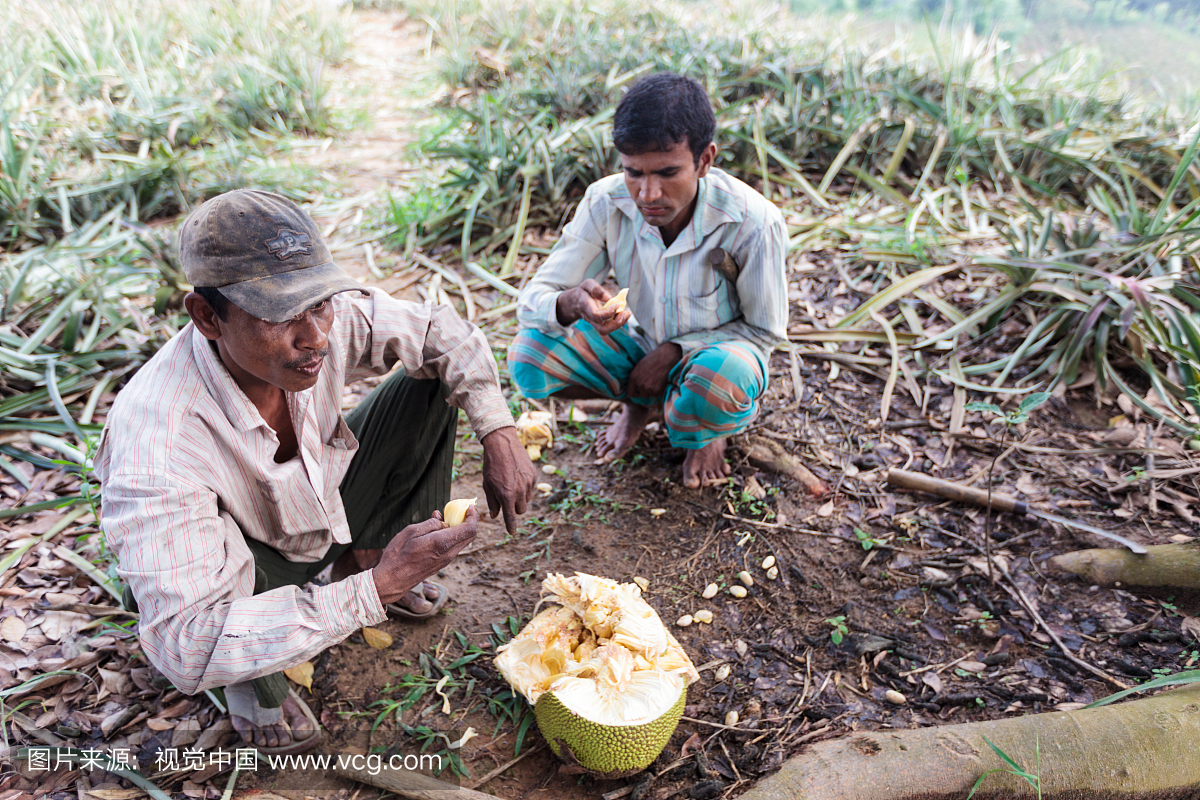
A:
{"points": [[1129, 751]]}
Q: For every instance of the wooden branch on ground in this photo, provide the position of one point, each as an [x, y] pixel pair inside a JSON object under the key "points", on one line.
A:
{"points": [[767, 454]]}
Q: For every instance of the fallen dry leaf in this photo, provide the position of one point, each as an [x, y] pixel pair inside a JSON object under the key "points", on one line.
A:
{"points": [[826, 509], [176, 709], [194, 790], [109, 723], [690, 746], [159, 724], [213, 736], [302, 673], [116, 794], [186, 732], [57, 624], [13, 629], [113, 682], [378, 639]]}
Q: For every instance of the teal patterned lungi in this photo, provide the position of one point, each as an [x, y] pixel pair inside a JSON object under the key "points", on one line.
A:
{"points": [[711, 393]]}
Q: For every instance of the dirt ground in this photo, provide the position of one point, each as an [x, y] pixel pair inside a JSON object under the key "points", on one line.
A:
{"points": [[878, 590], [899, 571]]}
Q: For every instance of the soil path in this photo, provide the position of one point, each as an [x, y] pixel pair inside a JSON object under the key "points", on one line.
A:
{"points": [[388, 80]]}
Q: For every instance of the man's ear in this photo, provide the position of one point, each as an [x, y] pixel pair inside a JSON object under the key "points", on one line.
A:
{"points": [[204, 317], [706, 160]]}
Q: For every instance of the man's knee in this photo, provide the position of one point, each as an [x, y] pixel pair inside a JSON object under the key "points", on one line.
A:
{"points": [[729, 377], [526, 359]]}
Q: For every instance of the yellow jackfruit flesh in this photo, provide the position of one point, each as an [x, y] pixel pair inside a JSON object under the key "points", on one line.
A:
{"points": [[607, 680], [456, 511], [618, 302], [534, 432]]}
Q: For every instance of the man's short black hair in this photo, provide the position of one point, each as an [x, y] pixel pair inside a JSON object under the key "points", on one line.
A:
{"points": [[660, 111], [219, 302]]}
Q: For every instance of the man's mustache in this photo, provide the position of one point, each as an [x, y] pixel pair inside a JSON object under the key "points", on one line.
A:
{"points": [[307, 361]]}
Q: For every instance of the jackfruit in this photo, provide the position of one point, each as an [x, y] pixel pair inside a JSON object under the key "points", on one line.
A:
{"points": [[618, 302], [456, 511], [534, 433], [606, 679]]}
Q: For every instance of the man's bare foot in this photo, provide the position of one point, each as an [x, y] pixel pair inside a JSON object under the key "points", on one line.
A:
{"points": [[617, 438], [421, 599], [295, 727], [706, 465]]}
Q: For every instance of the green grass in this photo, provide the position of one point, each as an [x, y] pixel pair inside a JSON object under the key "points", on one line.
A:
{"points": [[912, 159], [149, 106], [114, 113]]}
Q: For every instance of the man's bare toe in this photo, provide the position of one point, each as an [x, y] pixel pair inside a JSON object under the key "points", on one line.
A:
{"points": [[265, 736], [301, 726], [416, 603], [296, 726]]}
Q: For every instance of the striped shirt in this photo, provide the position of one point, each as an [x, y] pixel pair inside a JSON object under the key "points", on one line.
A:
{"points": [[187, 467], [675, 295]]}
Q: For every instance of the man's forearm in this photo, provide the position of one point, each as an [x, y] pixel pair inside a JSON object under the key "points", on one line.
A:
{"points": [[258, 635]]}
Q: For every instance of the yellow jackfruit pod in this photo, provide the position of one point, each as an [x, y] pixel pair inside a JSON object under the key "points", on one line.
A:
{"points": [[618, 302], [534, 432], [456, 511]]}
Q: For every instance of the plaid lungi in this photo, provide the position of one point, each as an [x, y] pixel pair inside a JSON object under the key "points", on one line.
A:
{"points": [[711, 393]]}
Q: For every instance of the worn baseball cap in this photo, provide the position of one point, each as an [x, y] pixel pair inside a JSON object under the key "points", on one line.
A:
{"points": [[263, 252]]}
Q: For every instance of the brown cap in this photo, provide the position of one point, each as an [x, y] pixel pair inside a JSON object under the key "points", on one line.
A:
{"points": [[261, 251]]}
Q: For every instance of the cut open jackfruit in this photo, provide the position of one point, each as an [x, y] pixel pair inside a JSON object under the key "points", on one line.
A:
{"points": [[606, 678]]}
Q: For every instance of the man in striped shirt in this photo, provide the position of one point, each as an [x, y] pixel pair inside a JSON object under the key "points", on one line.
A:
{"points": [[230, 478], [702, 257]]}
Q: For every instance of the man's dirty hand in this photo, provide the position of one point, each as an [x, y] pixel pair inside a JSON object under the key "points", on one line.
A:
{"points": [[508, 475], [586, 301], [419, 551], [649, 378]]}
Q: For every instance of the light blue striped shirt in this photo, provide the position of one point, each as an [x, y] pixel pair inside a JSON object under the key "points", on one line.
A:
{"points": [[674, 293]]}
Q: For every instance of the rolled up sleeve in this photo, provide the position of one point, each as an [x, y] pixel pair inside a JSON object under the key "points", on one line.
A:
{"points": [[193, 577]]}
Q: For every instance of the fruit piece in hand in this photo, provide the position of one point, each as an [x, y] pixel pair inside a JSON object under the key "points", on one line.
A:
{"points": [[617, 303], [456, 511]]}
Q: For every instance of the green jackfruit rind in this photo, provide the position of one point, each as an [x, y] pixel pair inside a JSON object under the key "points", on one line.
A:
{"points": [[605, 750]]}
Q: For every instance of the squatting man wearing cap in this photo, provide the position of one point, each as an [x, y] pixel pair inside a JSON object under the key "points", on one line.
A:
{"points": [[230, 478], [701, 254]]}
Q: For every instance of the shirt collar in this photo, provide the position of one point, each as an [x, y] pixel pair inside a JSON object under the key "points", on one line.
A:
{"points": [[221, 386]]}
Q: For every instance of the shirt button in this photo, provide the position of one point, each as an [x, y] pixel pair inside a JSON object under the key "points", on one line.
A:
{"points": [[662, 300]]}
